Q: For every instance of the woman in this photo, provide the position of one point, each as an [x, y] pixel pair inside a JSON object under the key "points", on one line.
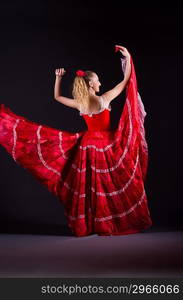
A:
{"points": [[97, 174], [86, 85]]}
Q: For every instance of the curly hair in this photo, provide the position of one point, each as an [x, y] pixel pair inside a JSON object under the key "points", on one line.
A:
{"points": [[80, 90]]}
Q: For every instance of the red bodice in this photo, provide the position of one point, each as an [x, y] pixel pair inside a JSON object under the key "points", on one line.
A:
{"points": [[100, 120]]}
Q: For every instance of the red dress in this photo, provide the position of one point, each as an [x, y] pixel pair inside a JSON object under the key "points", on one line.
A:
{"points": [[98, 174]]}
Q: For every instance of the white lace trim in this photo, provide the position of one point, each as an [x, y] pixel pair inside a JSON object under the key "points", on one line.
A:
{"points": [[115, 166], [14, 139], [142, 114], [104, 106], [67, 185], [60, 146], [117, 192], [83, 148], [110, 217], [124, 213], [74, 166], [40, 153]]}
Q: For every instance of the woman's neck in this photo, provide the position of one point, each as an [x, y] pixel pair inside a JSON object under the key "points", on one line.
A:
{"points": [[91, 92]]}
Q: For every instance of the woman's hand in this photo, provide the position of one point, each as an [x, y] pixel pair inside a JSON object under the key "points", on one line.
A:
{"points": [[60, 72], [123, 50]]}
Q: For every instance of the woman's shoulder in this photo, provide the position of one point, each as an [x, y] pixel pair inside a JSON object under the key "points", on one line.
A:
{"points": [[100, 108], [95, 99]]}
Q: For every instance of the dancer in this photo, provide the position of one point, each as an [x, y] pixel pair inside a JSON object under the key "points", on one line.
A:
{"points": [[97, 174]]}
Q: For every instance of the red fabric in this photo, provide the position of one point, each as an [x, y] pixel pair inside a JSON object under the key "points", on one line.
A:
{"points": [[97, 174], [117, 48], [99, 121], [80, 73]]}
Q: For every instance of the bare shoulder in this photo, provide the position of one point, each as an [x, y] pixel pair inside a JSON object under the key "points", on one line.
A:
{"points": [[105, 98], [97, 97]]}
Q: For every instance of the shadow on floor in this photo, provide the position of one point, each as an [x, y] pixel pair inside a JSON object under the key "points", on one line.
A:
{"points": [[152, 253]]}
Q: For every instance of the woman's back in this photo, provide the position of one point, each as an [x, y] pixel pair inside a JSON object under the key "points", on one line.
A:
{"points": [[98, 120]]}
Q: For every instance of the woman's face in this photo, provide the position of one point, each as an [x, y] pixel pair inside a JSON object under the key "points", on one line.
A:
{"points": [[95, 83]]}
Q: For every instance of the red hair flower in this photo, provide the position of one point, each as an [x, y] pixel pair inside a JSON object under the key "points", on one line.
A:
{"points": [[80, 73], [117, 48]]}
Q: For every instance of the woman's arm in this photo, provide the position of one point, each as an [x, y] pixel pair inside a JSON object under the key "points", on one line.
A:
{"points": [[57, 90], [113, 93]]}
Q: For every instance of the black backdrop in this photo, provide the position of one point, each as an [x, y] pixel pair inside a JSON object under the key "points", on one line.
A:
{"points": [[39, 36]]}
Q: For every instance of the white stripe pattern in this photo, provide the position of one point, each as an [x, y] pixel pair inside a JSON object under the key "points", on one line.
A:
{"points": [[52, 169], [125, 150], [124, 213], [124, 188], [142, 114], [49, 167], [40, 154], [118, 191], [121, 215], [107, 147], [60, 145], [98, 149], [14, 139], [79, 217], [92, 167]]}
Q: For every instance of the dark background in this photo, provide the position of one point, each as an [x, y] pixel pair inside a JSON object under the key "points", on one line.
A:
{"points": [[39, 36]]}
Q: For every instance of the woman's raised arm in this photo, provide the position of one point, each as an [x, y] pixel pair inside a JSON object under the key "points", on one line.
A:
{"points": [[57, 90], [113, 93]]}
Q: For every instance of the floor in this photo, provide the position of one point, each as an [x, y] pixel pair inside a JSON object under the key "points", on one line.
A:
{"points": [[146, 254]]}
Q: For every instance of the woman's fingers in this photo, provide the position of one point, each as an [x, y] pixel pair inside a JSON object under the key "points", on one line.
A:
{"points": [[121, 47], [60, 71]]}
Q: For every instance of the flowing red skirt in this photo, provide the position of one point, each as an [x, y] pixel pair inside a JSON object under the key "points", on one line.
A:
{"points": [[98, 176]]}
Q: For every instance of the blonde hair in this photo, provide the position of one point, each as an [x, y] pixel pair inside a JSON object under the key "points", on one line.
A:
{"points": [[80, 90]]}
